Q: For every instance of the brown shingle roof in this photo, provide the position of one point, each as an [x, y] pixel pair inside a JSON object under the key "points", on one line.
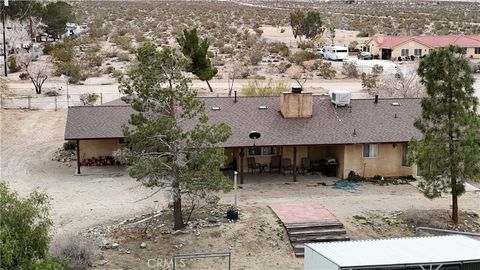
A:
{"points": [[371, 123]]}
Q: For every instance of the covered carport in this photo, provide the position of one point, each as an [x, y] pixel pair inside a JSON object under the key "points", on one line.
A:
{"points": [[455, 252]]}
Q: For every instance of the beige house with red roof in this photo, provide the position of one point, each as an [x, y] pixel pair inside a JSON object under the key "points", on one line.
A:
{"points": [[300, 133], [393, 47]]}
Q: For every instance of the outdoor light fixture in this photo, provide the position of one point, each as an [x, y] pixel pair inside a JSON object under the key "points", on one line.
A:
{"points": [[254, 135]]}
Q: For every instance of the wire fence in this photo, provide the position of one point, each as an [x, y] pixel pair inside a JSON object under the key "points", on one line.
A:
{"points": [[42, 102]]}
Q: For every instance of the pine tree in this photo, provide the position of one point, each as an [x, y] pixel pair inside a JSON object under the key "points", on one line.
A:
{"points": [[449, 151], [171, 145], [196, 50]]}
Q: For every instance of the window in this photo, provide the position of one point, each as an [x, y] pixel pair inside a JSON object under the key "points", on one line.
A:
{"points": [[262, 151], [477, 50], [405, 162], [417, 52], [370, 150], [430, 50], [404, 52]]}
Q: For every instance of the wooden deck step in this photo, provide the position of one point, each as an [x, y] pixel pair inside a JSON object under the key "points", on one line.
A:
{"points": [[319, 238], [313, 231]]}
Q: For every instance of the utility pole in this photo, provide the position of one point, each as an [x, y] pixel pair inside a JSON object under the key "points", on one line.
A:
{"points": [[4, 11]]}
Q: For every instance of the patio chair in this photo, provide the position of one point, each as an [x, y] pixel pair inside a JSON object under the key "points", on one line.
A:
{"points": [[252, 165], [275, 163], [286, 165], [305, 167]]}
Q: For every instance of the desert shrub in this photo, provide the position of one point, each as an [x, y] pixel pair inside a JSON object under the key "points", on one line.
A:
{"points": [[226, 50], [283, 66], [123, 42], [312, 65], [350, 70], [307, 44], [301, 56], [61, 51], [77, 252], [93, 60], [89, 98], [108, 70], [271, 88], [73, 69], [279, 47], [369, 82], [111, 53], [326, 70], [123, 57], [352, 46], [23, 76], [255, 56], [377, 69], [12, 59]]}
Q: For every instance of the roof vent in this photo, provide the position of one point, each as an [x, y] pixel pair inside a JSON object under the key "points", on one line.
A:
{"points": [[215, 108], [262, 107], [395, 104]]}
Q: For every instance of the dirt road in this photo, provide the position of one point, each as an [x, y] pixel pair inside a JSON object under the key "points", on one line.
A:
{"points": [[28, 142]]}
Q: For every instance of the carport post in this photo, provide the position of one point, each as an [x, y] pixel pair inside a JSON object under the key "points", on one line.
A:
{"points": [[241, 165], [78, 156], [294, 164]]}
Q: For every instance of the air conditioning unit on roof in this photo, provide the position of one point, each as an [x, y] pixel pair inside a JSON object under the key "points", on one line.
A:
{"points": [[340, 97]]}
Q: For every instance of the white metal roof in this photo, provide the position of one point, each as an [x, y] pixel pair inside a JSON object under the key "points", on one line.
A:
{"points": [[400, 251]]}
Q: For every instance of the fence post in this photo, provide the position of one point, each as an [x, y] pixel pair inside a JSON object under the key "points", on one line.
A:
{"points": [[101, 98], [55, 103], [29, 102], [1, 101]]}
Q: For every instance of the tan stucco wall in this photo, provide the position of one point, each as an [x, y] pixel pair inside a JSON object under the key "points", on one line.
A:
{"points": [[96, 148], [387, 163], [411, 46], [471, 53]]}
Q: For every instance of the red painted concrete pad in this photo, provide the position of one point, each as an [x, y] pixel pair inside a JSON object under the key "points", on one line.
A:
{"points": [[302, 213]]}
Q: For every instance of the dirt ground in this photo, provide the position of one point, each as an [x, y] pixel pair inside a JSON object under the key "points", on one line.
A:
{"points": [[28, 142], [30, 138]]}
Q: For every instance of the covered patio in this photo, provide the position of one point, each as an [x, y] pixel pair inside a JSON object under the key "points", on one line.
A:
{"points": [[289, 162]]}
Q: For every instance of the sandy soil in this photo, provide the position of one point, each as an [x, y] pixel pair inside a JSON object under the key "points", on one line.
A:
{"points": [[28, 141]]}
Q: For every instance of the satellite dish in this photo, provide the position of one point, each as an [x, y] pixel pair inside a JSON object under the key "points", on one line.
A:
{"points": [[254, 135]]}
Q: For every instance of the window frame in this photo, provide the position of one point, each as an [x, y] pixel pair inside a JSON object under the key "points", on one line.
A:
{"points": [[404, 156], [476, 50], [372, 150], [406, 52], [417, 50], [272, 151]]}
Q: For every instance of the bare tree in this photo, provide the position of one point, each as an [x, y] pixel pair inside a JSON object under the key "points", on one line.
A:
{"points": [[37, 71], [297, 73], [231, 73], [405, 83]]}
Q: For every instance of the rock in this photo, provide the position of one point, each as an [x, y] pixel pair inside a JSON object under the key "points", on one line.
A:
{"points": [[114, 245], [143, 245], [101, 262], [212, 220], [472, 213]]}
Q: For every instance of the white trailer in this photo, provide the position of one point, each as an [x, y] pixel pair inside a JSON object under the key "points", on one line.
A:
{"points": [[453, 252], [336, 53]]}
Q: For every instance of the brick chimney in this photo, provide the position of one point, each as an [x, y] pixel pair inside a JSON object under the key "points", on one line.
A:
{"points": [[296, 104]]}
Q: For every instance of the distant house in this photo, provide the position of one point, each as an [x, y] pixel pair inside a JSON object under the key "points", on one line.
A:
{"points": [[393, 47], [299, 132]]}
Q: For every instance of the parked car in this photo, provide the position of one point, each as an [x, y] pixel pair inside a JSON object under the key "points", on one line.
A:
{"points": [[365, 56]]}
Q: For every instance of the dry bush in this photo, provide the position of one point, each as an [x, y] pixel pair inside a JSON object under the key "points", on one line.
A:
{"points": [[302, 56], [306, 44], [350, 70], [279, 47], [255, 56], [327, 71], [76, 251], [271, 88]]}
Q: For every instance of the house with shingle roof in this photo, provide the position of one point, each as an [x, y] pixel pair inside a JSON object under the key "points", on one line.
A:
{"points": [[299, 133], [395, 47]]}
